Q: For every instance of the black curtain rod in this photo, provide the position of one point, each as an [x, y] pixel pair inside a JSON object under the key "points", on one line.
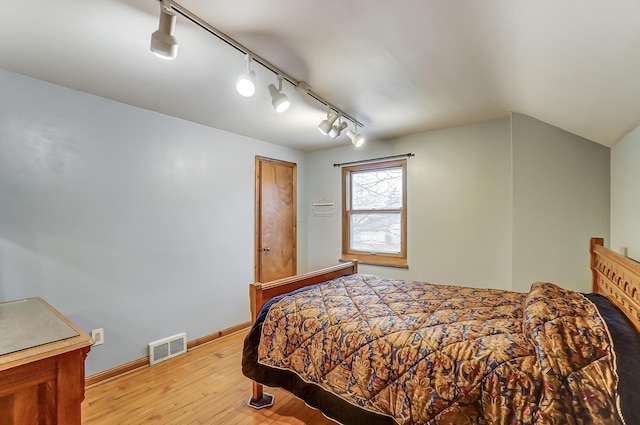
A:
{"points": [[362, 161]]}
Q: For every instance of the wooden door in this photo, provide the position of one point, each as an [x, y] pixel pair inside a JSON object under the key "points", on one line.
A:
{"points": [[275, 219]]}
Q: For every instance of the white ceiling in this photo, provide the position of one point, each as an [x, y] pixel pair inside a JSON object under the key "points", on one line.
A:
{"points": [[396, 66]]}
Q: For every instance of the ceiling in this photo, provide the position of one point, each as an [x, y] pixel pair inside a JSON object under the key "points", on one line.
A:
{"points": [[398, 67]]}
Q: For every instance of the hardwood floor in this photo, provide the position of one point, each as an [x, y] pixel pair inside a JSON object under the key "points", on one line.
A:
{"points": [[203, 386]]}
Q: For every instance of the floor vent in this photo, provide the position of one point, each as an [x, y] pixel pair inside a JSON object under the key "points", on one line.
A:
{"points": [[167, 348]]}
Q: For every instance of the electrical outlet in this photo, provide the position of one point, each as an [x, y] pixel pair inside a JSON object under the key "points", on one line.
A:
{"points": [[98, 336]]}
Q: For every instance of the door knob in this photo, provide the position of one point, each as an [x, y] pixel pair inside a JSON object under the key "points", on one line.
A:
{"points": [[265, 249]]}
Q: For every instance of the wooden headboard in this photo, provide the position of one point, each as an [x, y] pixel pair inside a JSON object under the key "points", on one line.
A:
{"points": [[260, 293], [616, 277]]}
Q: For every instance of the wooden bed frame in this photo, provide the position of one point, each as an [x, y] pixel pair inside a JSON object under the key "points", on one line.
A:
{"points": [[617, 278], [260, 293], [614, 276]]}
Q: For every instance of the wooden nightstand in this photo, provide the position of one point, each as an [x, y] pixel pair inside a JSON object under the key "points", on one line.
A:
{"points": [[41, 365]]}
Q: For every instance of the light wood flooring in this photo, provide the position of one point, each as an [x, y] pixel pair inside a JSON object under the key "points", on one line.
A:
{"points": [[203, 386]]}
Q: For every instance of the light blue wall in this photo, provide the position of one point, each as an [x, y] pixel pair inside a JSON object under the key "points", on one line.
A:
{"points": [[498, 204], [459, 204], [561, 190], [625, 195], [126, 219]]}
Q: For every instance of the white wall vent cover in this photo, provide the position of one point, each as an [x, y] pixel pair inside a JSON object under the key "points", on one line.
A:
{"points": [[167, 348]]}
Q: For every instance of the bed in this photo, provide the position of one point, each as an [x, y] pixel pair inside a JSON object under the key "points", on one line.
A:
{"points": [[365, 349]]}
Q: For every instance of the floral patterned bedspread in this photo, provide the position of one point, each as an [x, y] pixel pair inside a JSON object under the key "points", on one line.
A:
{"points": [[436, 354]]}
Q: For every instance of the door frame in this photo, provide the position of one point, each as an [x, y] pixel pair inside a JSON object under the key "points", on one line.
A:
{"points": [[258, 214]]}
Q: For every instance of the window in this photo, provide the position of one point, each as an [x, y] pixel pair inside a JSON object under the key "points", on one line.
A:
{"points": [[374, 213]]}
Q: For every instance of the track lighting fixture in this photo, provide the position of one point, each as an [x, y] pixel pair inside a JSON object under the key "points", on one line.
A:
{"points": [[336, 129], [246, 83], [279, 100], [356, 139], [163, 43], [326, 125]]}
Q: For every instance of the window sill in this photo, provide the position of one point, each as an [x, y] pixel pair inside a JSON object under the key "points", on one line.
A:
{"points": [[375, 260]]}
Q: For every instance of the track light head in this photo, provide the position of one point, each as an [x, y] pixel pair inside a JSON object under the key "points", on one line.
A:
{"points": [[279, 100], [356, 139], [246, 83], [163, 43], [326, 125], [336, 129]]}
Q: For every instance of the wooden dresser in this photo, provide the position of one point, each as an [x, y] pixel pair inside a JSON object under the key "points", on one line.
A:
{"points": [[41, 365]]}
